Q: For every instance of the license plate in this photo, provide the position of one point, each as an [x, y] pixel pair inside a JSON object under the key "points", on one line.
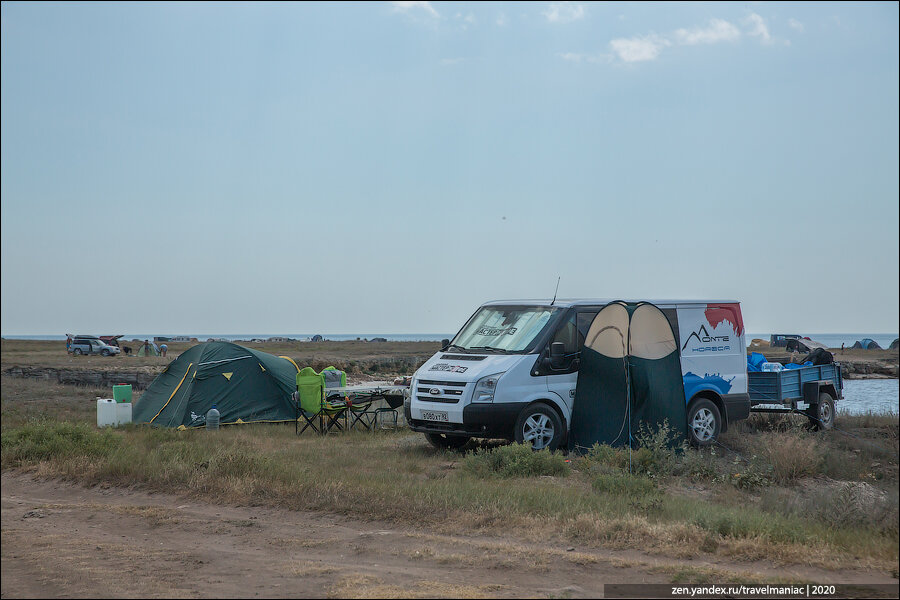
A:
{"points": [[429, 415]]}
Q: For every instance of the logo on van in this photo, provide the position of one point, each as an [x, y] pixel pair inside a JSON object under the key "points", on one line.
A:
{"points": [[492, 331], [448, 368], [703, 337]]}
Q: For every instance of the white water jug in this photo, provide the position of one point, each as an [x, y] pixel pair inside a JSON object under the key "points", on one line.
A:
{"points": [[106, 412], [123, 413]]}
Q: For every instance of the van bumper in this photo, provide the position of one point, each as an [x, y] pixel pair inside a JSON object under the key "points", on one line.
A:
{"points": [[737, 406], [494, 420]]}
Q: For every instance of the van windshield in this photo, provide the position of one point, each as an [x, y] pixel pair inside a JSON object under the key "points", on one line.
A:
{"points": [[506, 329]]}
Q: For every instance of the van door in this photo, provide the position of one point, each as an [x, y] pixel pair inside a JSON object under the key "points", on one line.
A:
{"points": [[571, 333]]}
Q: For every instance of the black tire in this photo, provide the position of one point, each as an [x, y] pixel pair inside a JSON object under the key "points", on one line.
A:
{"points": [[704, 423], [821, 415], [442, 441], [77, 352], [104, 352], [540, 426]]}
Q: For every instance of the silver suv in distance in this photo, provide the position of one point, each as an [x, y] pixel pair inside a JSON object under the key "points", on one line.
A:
{"points": [[89, 344]]}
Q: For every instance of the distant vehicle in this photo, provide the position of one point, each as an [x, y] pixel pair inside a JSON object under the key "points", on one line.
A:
{"points": [[112, 340], [89, 344], [781, 339]]}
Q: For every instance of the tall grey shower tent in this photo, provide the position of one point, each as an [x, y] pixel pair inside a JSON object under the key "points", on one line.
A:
{"points": [[630, 374]]}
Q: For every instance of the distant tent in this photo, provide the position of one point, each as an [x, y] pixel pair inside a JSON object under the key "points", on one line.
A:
{"points": [[148, 349], [895, 344], [630, 375], [867, 344], [245, 385]]}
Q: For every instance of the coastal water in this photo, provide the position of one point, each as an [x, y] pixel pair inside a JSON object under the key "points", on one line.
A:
{"points": [[870, 395]]}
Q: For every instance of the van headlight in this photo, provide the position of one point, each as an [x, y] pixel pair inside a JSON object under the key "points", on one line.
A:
{"points": [[485, 387]]}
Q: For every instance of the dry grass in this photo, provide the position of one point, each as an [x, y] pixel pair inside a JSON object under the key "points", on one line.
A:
{"points": [[791, 456], [398, 477]]}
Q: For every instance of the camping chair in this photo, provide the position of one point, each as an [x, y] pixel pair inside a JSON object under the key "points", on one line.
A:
{"points": [[393, 403], [309, 396], [336, 405]]}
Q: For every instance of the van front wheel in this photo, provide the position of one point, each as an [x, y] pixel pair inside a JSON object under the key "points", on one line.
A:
{"points": [[540, 427]]}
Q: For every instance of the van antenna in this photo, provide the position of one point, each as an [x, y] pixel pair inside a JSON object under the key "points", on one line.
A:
{"points": [[555, 291]]}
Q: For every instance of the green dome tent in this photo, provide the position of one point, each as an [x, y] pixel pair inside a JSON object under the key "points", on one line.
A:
{"points": [[245, 385], [148, 349]]}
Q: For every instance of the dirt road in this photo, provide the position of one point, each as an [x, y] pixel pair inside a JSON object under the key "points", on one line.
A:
{"points": [[62, 540]]}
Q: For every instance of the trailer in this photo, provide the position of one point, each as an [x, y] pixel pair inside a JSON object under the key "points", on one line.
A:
{"points": [[812, 390]]}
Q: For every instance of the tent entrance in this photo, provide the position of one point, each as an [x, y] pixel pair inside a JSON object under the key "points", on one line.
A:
{"points": [[630, 375]]}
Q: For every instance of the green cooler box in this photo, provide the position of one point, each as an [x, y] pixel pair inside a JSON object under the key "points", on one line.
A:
{"points": [[122, 392]]}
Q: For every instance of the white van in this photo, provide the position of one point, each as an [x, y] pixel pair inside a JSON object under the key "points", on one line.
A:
{"points": [[511, 371]]}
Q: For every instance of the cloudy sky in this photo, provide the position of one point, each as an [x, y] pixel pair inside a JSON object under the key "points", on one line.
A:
{"points": [[386, 167]]}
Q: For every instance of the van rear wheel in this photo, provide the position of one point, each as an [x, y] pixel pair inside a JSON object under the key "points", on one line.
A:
{"points": [[442, 441], [704, 423]]}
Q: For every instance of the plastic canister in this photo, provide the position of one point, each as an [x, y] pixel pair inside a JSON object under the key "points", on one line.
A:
{"points": [[212, 419], [123, 413], [122, 392], [106, 412], [772, 366]]}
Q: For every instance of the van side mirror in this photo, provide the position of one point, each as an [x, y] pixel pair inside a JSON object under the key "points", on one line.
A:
{"points": [[445, 343], [557, 355]]}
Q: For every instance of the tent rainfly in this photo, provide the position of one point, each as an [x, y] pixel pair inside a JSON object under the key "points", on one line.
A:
{"points": [[246, 386], [630, 375], [867, 344]]}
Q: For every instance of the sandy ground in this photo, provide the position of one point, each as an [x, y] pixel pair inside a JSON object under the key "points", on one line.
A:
{"points": [[63, 540]]}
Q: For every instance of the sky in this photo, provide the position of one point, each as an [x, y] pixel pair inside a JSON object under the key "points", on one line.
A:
{"points": [[387, 167]]}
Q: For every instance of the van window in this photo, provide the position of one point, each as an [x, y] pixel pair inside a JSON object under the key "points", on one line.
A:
{"points": [[569, 335], [507, 328], [584, 323]]}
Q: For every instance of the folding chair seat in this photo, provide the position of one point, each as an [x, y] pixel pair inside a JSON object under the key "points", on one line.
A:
{"points": [[309, 395]]}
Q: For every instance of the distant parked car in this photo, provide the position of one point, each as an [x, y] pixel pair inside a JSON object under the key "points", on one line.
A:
{"points": [[88, 344]]}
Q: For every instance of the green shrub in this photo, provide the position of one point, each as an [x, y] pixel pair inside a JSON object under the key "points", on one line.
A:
{"points": [[43, 440], [655, 455], [514, 460]]}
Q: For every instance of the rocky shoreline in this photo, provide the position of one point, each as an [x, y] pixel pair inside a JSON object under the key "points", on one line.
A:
{"points": [[142, 377]]}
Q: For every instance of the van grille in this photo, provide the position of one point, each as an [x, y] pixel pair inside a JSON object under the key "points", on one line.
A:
{"points": [[445, 392]]}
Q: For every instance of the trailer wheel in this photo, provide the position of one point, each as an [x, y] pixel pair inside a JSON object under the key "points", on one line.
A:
{"points": [[821, 415], [704, 423], [442, 441]]}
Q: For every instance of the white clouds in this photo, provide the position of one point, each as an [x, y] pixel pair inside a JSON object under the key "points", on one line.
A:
{"points": [[795, 24], [448, 62], [638, 49], [717, 31], [564, 12], [502, 20], [758, 28], [417, 6], [648, 47]]}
